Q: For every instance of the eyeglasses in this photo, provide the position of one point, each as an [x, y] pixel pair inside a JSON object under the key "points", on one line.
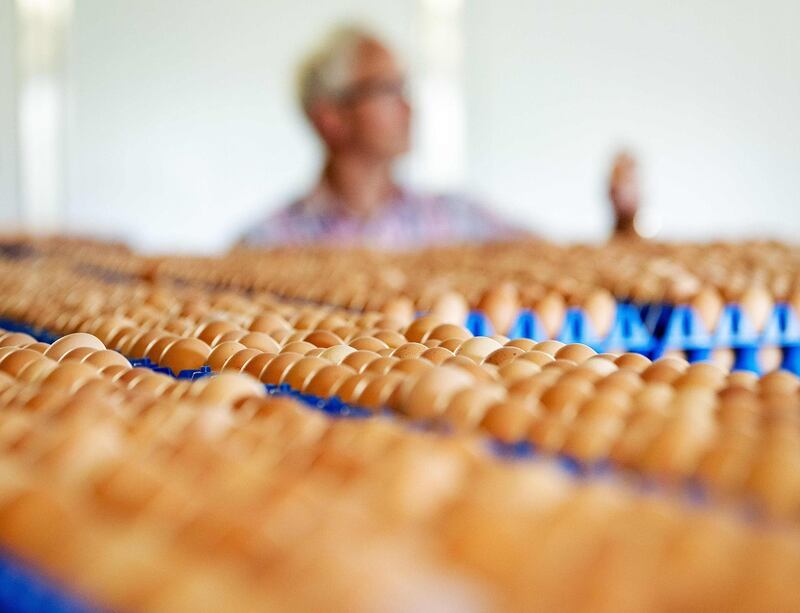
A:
{"points": [[374, 88]]}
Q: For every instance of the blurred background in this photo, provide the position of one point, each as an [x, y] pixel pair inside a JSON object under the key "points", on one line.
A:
{"points": [[173, 123]]}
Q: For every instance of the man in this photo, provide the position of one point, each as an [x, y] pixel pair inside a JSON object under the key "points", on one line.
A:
{"points": [[353, 93]]}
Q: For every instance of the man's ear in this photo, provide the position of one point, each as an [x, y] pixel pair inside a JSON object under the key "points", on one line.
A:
{"points": [[328, 122]]}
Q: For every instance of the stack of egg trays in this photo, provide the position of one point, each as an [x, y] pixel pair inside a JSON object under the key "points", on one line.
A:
{"points": [[679, 327], [628, 332]]}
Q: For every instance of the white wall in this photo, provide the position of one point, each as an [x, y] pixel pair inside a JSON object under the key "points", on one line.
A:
{"points": [[708, 93], [184, 126], [8, 168]]}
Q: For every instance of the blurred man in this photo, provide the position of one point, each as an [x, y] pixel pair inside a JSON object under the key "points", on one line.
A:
{"points": [[625, 196], [353, 92]]}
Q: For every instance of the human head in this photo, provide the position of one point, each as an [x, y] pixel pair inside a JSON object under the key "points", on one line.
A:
{"points": [[351, 89]]}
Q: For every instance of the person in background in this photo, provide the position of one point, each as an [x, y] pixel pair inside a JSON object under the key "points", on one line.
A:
{"points": [[352, 91], [625, 195]]}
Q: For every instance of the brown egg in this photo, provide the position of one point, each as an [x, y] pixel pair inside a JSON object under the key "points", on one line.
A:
{"points": [[301, 372], [420, 328], [478, 347], [280, 336], [113, 370], [508, 420], [278, 367], [381, 366], [563, 399], [71, 341], [378, 391], [411, 366], [9, 349], [337, 353], [185, 354], [708, 305], [601, 310], [209, 331], [400, 308], [432, 391], [757, 304], [152, 383], [602, 366], [436, 355], [138, 344], [18, 339], [451, 344], [702, 374], [326, 380], [16, 359], [575, 352], [37, 347], [261, 341], [501, 306], [633, 361], [367, 343], [78, 354], [392, 338], [479, 373], [158, 347], [69, 375], [233, 335], [451, 307], [360, 359], [322, 338], [526, 344], [220, 354], [446, 331], [548, 434], [466, 407], [409, 350], [256, 364], [551, 310], [743, 379], [237, 361], [664, 370], [227, 388], [268, 323], [351, 388], [779, 382], [503, 355], [517, 370], [549, 347], [540, 358], [298, 347], [624, 380]]}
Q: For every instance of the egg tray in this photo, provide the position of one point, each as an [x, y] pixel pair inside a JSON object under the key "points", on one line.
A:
{"points": [[24, 589], [654, 329]]}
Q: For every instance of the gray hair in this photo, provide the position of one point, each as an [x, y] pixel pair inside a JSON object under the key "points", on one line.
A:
{"points": [[326, 71]]}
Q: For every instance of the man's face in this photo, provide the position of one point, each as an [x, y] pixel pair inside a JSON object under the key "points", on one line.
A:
{"points": [[374, 114]]}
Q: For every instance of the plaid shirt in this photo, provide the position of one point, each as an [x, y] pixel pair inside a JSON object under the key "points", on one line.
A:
{"points": [[409, 220]]}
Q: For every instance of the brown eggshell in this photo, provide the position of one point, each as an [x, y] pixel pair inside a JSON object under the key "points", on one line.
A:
{"points": [[227, 388], [503, 355], [420, 328], [326, 380], [237, 361], [367, 343], [432, 391], [508, 420], [278, 367], [185, 354], [359, 360], [71, 341], [220, 354], [501, 306], [300, 373], [409, 350]]}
